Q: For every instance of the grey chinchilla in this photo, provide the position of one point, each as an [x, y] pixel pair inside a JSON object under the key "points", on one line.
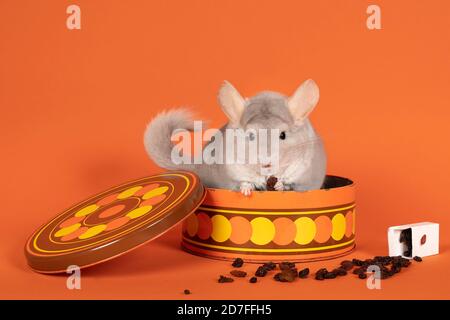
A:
{"points": [[301, 160]]}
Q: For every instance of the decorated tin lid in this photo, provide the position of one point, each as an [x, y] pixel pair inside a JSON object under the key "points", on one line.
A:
{"points": [[114, 222]]}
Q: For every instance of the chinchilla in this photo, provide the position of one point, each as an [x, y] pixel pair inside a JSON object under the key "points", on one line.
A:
{"points": [[301, 158]]}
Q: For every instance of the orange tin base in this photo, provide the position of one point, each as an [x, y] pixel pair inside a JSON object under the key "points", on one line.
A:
{"points": [[276, 226]]}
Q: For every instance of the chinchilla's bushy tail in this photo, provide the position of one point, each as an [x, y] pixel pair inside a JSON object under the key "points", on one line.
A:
{"points": [[158, 133]]}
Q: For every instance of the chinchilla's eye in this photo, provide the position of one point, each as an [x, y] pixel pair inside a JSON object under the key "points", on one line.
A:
{"points": [[282, 135], [251, 136]]}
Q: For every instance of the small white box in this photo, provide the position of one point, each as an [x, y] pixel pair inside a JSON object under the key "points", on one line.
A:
{"points": [[424, 239]]}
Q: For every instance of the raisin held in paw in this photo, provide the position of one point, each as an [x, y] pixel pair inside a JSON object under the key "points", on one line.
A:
{"points": [[271, 182]]}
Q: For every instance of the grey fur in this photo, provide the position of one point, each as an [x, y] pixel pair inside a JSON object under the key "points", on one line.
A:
{"points": [[302, 155]]}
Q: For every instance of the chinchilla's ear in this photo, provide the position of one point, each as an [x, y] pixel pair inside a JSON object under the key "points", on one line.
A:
{"points": [[231, 102], [303, 101]]}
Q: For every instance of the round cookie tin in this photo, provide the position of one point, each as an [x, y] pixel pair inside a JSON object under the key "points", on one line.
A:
{"points": [[114, 222], [274, 226]]}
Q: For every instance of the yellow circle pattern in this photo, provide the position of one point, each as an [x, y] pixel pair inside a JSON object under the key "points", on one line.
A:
{"points": [[128, 193], [306, 230], [93, 231], [155, 192], [139, 212], [67, 230], [86, 210], [354, 221], [263, 231], [221, 228], [339, 226]]}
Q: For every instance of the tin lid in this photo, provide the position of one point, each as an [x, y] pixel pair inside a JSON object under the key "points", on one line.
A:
{"points": [[114, 222]]}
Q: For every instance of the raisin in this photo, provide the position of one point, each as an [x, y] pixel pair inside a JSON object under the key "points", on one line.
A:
{"points": [[261, 272], [237, 263], [286, 265], [357, 262], [253, 280], [238, 273], [330, 275], [395, 269], [269, 266], [406, 239], [270, 183], [417, 258], [286, 276], [359, 270], [303, 273], [340, 271], [362, 276], [321, 271], [187, 291], [319, 276], [347, 265], [224, 279]]}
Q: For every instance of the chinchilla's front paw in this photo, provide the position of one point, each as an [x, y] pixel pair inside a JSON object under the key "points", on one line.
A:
{"points": [[246, 188], [279, 186]]}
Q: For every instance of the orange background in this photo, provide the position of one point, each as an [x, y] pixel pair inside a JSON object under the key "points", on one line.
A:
{"points": [[74, 104]]}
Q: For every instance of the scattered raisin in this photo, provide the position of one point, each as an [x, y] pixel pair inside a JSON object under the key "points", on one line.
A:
{"points": [[286, 276], [261, 272], [303, 273], [187, 291], [357, 262], [406, 239], [238, 273], [286, 265], [319, 277], [320, 274], [253, 280], [269, 266], [347, 265], [224, 279], [237, 263], [330, 275], [417, 258], [340, 271]]}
